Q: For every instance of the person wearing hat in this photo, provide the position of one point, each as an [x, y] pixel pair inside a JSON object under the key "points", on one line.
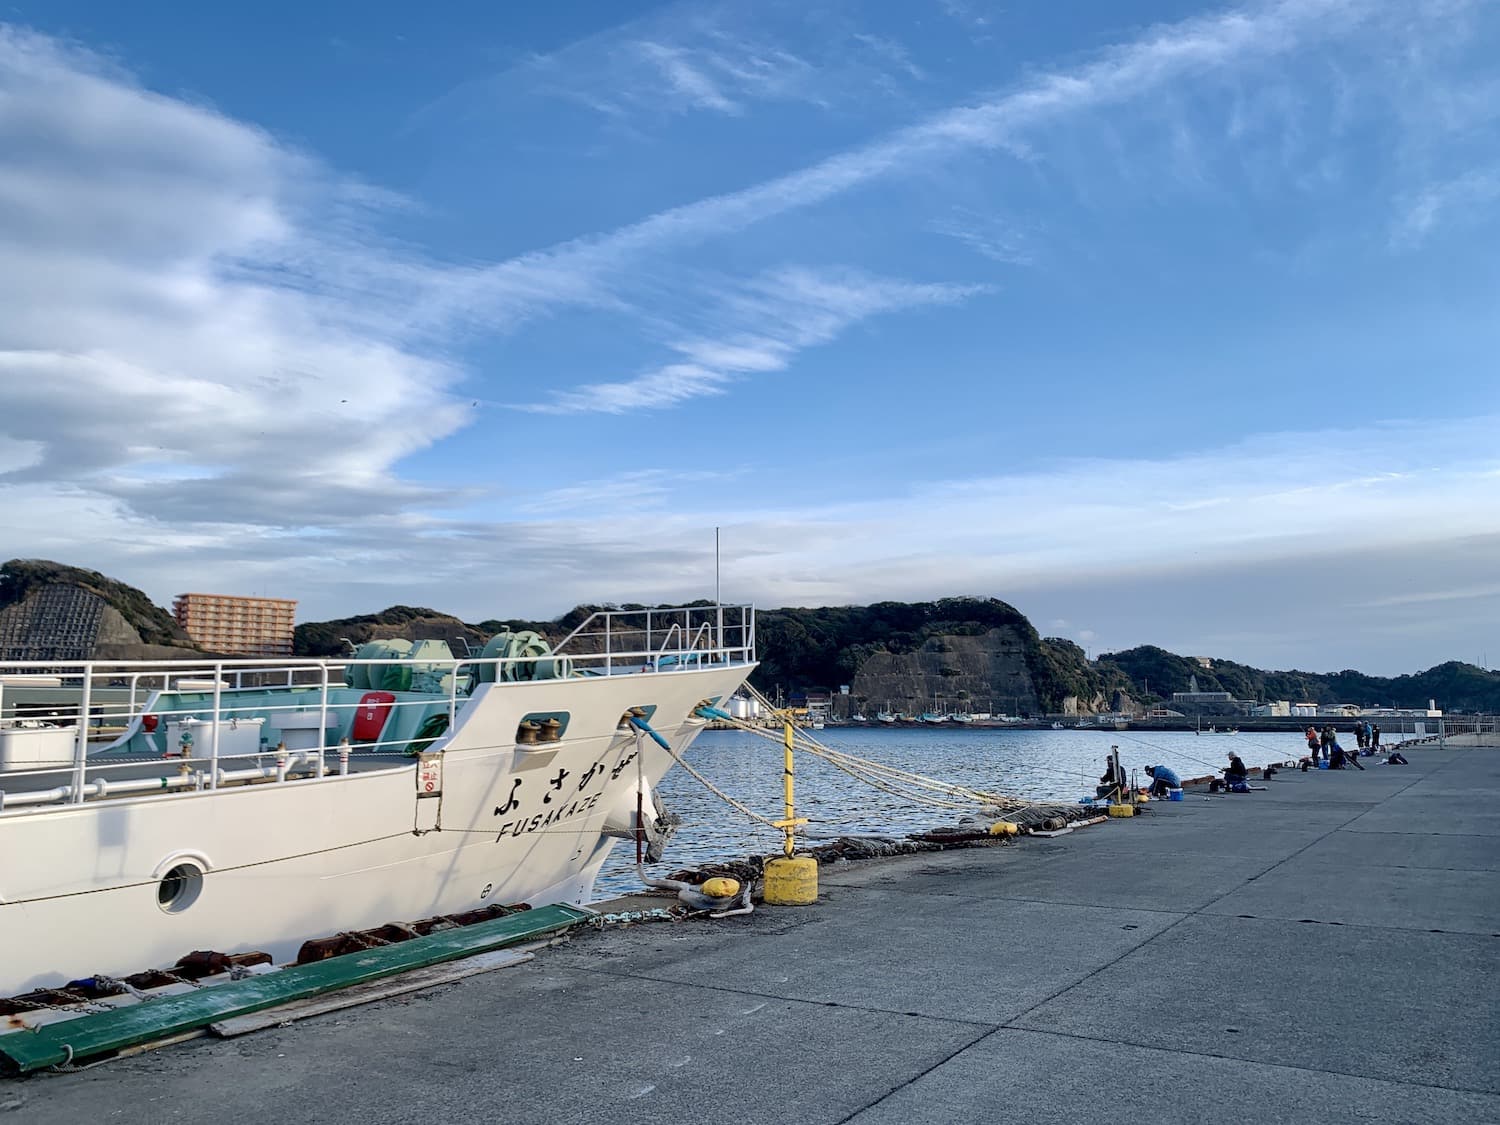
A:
{"points": [[1162, 779]]}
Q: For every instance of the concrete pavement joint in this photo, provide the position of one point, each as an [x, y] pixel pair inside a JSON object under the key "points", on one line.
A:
{"points": [[990, 1025], [1162, 933], [919, 1076], [1084, 905], [1240, 1059]]}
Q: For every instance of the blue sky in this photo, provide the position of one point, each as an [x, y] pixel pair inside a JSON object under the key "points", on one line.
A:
{"points": [[1168, 323]]}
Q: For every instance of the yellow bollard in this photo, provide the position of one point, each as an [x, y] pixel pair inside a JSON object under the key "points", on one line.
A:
{"points": [[1121, 810], [790, 880], [1004, 828]]}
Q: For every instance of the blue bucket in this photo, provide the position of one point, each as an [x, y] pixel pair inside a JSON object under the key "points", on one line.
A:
{"points": [[1174, 794], [1323, 763]]}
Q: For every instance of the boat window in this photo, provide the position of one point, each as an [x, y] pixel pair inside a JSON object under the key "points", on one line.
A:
{"points": [[179, 888]]}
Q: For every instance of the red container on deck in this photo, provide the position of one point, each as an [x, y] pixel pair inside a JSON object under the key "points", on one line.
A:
{"points": [[370, 716]]}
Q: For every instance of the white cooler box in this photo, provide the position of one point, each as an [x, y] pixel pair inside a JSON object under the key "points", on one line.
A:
{"points": [[299, 729], [23, 747], [236, 736]]}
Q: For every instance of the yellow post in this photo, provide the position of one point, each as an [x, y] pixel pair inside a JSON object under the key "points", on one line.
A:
{"points": [[790, 880], [791, 815]]}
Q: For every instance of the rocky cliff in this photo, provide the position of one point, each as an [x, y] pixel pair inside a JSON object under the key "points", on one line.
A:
{"points": [[988, 673]]}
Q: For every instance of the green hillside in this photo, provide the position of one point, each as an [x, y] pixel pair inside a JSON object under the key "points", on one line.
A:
{"points": [[1454, 685], [19, 577]]}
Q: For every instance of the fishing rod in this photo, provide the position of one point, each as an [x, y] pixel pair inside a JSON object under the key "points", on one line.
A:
{"points": [[1169, 750]]}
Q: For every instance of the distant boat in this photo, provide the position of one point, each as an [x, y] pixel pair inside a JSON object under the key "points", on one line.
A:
{"points": [[884, 717], [954, 717], [858, 717], [1057, 726], [933, 717]]}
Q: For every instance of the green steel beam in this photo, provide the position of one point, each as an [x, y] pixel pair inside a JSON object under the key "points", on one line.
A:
{"points": [[102, 1032]]}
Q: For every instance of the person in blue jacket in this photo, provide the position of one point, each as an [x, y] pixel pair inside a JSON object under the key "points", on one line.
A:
{"points": [[1162, 779]]}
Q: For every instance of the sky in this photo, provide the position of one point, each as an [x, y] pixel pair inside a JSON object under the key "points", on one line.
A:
{"points": [[1167, 323]]}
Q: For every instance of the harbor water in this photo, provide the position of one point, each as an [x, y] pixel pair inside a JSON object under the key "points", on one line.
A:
{"points": [[1036, 764]]}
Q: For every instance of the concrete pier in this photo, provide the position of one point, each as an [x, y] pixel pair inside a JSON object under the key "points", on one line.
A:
{"points": [[1328, 950]]}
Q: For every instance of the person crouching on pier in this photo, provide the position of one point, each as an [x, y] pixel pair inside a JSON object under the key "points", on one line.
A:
{"points": [[1338, 757], [1162, 779]]}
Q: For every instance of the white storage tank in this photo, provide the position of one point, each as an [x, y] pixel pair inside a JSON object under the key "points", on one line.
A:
{"points": [[741, 707]]}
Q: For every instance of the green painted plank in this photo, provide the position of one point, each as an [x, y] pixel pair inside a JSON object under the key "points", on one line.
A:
{"points": [[102, 1032]]}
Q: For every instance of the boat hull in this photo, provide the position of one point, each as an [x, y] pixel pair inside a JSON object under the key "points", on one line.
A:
{"points": [[81, 886]]}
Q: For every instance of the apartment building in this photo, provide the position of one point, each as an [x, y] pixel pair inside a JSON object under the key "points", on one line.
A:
{"points": [[236, 626]]}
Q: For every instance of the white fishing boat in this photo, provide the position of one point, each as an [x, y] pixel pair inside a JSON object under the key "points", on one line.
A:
{"points": [[249, 805]]}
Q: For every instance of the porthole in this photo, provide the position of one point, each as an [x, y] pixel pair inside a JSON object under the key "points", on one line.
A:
{"points": [[179, 888]]}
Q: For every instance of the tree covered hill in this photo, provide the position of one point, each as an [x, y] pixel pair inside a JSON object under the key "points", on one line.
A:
{"points": [[19, 577], [801, 649], [1455, 686]]}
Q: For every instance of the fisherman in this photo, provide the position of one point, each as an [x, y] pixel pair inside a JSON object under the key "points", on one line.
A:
{"points": [[1375, 737], [1236, 777], [1310, 759], [1112, 781], [1339, 758], [1162, 779]]}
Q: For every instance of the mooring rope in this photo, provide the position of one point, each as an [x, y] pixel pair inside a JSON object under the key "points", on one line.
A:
{"points": [[899, 783]]}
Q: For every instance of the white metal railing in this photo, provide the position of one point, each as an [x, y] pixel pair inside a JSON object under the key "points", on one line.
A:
{"points": [[710, 633], [117, 696], [1472, 730]]}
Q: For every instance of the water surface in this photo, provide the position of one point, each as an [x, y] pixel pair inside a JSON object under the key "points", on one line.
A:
{"points": [[1038, 764]]}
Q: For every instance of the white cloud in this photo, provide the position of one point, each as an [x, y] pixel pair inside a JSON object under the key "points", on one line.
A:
{"points": [[1424, 597], [987, 235], [1284, 498], [1313, 560], [755, 327], [1462, 200], [172, 305], [693, 83], [581, 269], [721, 58]]}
